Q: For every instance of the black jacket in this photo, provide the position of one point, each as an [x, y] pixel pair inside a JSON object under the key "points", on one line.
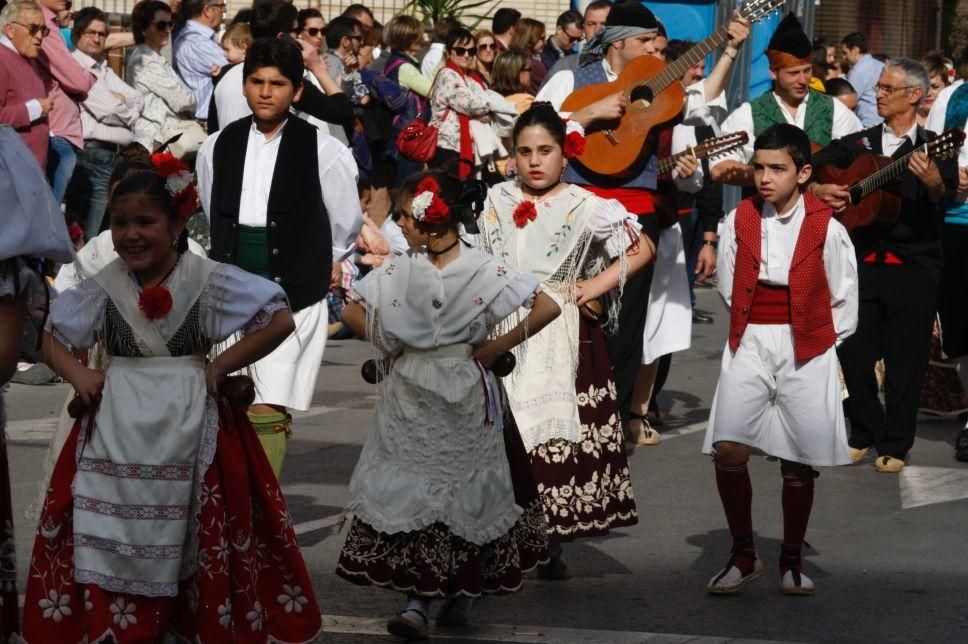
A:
{"points": [[297, 225], [916, 236]]}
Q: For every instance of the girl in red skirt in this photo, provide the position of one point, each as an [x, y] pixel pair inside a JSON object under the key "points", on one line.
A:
{"points": [[163, 514]]}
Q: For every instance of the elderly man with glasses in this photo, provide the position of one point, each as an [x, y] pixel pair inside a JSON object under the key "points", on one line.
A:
{"points": [[24, 103], [195, 50]]}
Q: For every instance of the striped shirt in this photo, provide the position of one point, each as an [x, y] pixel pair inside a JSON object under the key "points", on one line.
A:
{"points": [[194, 51]]}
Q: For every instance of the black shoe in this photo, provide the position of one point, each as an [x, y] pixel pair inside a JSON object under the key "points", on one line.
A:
{"points": [[701, 318], [961, 446]]}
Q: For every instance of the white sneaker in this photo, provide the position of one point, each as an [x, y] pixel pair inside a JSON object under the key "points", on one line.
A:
{"points": [[730, 579], [794, 582]]}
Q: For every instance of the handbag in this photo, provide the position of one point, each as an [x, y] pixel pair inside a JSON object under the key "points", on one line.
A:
{"points": [[417, 141], [191, 139]]}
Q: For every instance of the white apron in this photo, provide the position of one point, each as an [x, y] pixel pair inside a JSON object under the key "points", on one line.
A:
{"points": [[668, 323], [153, 437]]}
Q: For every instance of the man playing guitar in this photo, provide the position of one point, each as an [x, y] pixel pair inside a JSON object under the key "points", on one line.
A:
{"points": [[899, 267], [629, 33]]}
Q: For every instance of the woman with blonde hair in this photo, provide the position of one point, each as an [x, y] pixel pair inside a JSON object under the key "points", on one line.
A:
{"points": [[483, 65], [529, 38], [940, 74]]}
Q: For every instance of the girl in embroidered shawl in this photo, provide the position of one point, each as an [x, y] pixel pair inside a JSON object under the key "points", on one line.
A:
{"points": [[163, 514], [441, 506], [581, 248]]}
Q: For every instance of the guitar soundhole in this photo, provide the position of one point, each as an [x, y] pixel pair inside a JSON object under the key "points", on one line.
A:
{"points": [[641, 93]]}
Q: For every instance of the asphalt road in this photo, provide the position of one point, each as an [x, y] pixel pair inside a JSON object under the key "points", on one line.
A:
{"points": [[889, 552]]}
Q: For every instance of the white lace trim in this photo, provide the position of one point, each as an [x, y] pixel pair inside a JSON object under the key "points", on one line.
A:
{"points": [[476, 531], [206, 454], [126, 586], [548, 430]]}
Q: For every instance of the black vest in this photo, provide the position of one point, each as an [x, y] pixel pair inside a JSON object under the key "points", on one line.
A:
{"points": [[300, 243]]}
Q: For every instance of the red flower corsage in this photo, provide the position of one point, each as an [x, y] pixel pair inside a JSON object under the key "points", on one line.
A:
{"points": [[524, 213], [427, 206], [75, 231], [155, 302], [574, 145], [167, 164]]}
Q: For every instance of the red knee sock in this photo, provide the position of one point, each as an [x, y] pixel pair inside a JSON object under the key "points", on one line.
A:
{"points": [[797, 503], [736, 493]]}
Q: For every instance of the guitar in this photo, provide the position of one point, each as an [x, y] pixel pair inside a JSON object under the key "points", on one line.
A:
{"points": [[869, 174], [655, 97], [708, 149]]}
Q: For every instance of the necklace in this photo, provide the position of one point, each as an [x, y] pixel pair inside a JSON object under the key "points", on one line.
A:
{"points": [[162, 280], [443, 250]]}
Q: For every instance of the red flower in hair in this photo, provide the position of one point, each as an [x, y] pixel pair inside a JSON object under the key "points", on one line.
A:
{"points": [[186, 202], [167, 164], [75, 231], [574, 145], [155, 302], [437, 212], [524, 213], [428, 184]]}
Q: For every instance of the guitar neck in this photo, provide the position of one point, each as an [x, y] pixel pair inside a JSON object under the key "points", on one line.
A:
{"points": [[697, 52], [885, 175], [668, 163]]}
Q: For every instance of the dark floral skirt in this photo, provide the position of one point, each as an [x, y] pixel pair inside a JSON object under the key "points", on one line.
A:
{"points": [[585, 486], [942, 392], [436, 563]]}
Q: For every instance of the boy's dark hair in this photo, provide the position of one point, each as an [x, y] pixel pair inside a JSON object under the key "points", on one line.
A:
{"points": [[838, 87], [443, 27], [271, 18], [306, 14], [790, 138], [83, 20], [504, 18], [143, 14], [458, 35], [340, 28], [677, 48], [856, 39], [278, 53], [542, 114]]}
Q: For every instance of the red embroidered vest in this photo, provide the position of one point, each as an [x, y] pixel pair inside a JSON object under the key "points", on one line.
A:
{"points": [[810, 314]]}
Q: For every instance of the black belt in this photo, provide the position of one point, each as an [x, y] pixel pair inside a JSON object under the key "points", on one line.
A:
{"points": [[103, 145]]}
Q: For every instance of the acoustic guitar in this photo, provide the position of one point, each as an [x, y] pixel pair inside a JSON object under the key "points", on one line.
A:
{"points": [[872, 201], [655, 96], [708, 149]]}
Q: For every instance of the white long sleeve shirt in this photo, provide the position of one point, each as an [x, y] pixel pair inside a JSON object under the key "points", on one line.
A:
{"points": [[779, 234], [103, 116], [338, 175]]}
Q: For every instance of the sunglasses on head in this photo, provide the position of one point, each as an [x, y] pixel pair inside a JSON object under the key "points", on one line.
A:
{"points": [[164, 25], [465, 51], [316, 31]]}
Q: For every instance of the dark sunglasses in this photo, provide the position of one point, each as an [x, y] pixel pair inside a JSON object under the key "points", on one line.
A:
{"points": [[574, 39], [316, 31], [33, 30], [354, 37], [164, 25], [487, 46], [465, 51]]}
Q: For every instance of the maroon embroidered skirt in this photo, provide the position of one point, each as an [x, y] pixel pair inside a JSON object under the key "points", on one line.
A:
{"points": [[585, 487], [251, 584], [435, 563]]}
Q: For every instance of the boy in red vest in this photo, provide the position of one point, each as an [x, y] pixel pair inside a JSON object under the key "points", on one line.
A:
{"points": [[787, 272]]}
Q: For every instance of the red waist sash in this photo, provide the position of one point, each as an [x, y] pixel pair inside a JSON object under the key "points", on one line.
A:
{"points": [[771, 305], [637, 201]]}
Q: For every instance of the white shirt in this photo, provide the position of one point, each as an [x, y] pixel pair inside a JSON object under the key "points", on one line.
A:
{"points": [[683, 137], [741, 120], [230, 102], [34, 110], [779, 234], [890, 143], [432, 59], [103, 116], [338, 175], [697, 109]]}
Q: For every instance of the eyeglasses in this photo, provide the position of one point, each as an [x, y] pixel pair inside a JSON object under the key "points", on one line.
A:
{"points": [[33, 30], [164, 25], [486, 46], [574, 39], [91, 33], [316, 31], [465, 51], [887, 89]]}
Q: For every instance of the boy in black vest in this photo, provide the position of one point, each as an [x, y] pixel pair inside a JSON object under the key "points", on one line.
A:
{"points": [[788, 274], [282, 202]]}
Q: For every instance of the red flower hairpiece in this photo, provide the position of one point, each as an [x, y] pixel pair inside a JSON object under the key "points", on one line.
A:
{"points": [[574, 145], [427, 205], [178, 182], [167, 164], [75, 231], [155, 302], [524, 214]]}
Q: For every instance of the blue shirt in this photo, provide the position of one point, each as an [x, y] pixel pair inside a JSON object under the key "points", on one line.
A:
{"points": [[863, 76], [194, 51]]}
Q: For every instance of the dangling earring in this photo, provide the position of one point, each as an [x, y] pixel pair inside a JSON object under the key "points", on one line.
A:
{"points": [[433, 241]]}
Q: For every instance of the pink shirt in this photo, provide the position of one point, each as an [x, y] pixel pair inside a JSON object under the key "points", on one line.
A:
{"points": [[70, 85]]}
